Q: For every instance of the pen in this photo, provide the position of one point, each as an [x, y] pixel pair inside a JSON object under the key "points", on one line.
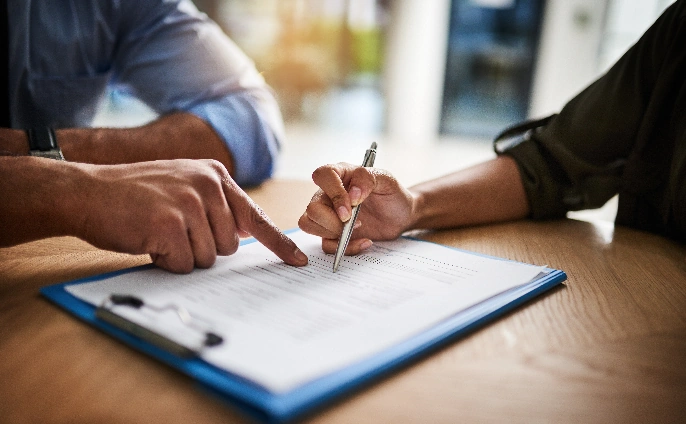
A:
{"points": [[368, 161]]}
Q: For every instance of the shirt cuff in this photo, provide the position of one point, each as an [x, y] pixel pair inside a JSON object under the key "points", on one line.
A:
{"points": [[248, 136]]}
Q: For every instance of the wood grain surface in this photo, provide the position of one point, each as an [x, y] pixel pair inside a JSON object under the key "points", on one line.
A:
{"points": [[607, 346]]}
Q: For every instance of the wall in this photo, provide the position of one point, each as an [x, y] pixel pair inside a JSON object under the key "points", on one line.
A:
{"points": [[414, 68], [568, 52]]}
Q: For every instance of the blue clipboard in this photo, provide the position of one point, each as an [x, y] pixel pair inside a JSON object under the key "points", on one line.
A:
{"points": [[306, 399]]}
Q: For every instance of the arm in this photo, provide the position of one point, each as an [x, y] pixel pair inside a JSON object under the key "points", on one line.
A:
{"points": [[166, 53], [182, 213], [488, 192], [607, 139], [485, 193], [174, 136], [175, 59], [169, 209], [614, 136]]}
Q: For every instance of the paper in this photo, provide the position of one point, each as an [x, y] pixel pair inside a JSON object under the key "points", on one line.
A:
{"points": [[285, 326]]}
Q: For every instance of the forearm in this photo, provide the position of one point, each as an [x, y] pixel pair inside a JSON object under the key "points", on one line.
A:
{"points": [[488, 192], [174, 136], [13, 142]]}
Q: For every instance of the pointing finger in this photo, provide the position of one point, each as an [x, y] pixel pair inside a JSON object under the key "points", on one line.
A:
{"points": [[251, 218]]}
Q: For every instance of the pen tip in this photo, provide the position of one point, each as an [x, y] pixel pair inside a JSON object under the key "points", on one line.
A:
{"points": [[374, 145]]}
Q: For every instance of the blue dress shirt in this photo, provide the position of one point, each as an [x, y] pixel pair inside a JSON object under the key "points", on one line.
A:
{"points": [[64, 53]]}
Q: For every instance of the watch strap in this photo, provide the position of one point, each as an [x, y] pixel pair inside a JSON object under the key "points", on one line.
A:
{"points": [[43, 143], [41, 138]]}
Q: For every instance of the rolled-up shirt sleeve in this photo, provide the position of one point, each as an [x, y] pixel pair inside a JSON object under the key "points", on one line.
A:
{"points": [[175, 59], [247, 134], [557, 181], [578, 160]]}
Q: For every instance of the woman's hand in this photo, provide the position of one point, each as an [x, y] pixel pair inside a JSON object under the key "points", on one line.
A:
{"points": [[386, 207]]}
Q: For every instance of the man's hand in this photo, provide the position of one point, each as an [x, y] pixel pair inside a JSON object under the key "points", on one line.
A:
{"points": [[182, 212], [386, 213]]}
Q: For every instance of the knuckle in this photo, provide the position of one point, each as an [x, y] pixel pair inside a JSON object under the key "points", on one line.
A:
{"points": [[215, 165], [303, 221], [259, 223], [364, 175], [185, 266], [191, 203], [206, 261], [321, 171], [325, 173], [339, 198], [205, 180], [232, 247], [311, 209], [181, 265], [329, 245], [168, 224], [318, 196], [363, 171], [260, 220]]}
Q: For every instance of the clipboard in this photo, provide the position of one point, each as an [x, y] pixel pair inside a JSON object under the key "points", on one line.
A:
{"points": [[256, 401]]}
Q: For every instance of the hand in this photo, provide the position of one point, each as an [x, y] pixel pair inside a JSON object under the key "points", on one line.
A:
{"points": [[182, 212], [385, 214]]}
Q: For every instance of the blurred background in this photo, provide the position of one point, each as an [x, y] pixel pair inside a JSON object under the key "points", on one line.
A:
{"points": [[431, 81]]}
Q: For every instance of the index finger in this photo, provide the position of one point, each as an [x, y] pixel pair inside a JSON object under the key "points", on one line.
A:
{"points": [[333, 179], [251, 218]]}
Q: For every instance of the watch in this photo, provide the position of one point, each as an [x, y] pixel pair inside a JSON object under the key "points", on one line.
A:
{"points": [[43, 143]]}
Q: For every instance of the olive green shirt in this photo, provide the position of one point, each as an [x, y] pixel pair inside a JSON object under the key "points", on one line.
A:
{"points": [[625, 134]]}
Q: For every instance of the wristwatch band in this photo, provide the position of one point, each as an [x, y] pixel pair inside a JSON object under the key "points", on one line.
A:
{"points": [[43, 143]]}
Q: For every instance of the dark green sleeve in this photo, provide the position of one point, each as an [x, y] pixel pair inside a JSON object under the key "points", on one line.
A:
{"points": [[577, 160]]}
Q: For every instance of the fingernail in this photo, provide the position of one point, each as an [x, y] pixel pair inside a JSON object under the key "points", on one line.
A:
{"points": [[299, 255], [355, 194], [343, 213], [366, 244], [357, 224]]}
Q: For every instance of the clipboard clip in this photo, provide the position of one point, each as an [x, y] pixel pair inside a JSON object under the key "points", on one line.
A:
{"points": [[105, 312]]}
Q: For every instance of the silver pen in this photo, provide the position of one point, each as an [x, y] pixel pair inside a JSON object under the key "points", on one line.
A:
{"points": [[368, 161]]}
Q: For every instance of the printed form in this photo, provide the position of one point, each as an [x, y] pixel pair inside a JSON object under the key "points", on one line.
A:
{"points": [[284, 326]]}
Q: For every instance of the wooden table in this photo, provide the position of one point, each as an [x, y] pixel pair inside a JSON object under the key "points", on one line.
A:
{"points": [[608, 346]]}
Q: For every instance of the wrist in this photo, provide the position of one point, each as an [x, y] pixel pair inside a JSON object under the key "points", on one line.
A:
{"points": [[417, 210], [41, 199], [66, 205], [13, 142], [76, 200]]}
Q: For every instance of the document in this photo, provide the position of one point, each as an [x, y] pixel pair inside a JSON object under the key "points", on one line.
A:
{"points": [[285, 326]]}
